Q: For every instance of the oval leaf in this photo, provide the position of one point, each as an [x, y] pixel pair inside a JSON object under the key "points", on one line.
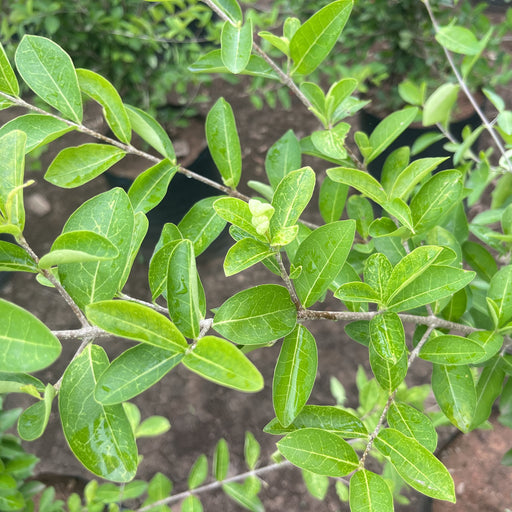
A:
{"points": [[452, 350], [369, 492], [236, 46]]}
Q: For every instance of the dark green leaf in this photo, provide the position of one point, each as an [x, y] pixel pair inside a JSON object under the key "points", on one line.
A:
{"points": [[13, 257], [33, 421], [332, 199]]}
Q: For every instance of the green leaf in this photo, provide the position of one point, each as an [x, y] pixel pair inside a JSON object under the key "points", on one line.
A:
{"points": [[252, 451], [110, 215], [294, 375], [12, 168], [8, 82], [77, 246], [134, 371], [231, 9], [33, 420], [452, 350], [201, 225], [245, 494], [183, 290], [357, 292], [223, 142], [314, 40], [191, 504], [359, 180], [412, 423], [435, 199], [159, 487], [436, 282], [237, 212], [455, 393], [388, 130], [13, 257], [47, 69], [332, 199], [500, 291], [388, 353], [369, 492], [416, 465], [317, 485], [322, 255], [244, 254], [338, 93], [325, 417], [257, 315], [75, 166], [221, 460], [331, 142], [319, 451], [221, 362], [137, 322], [377, 272], [19, 383], [283, 157], [27, 344], [438, 105], [458, 39], [490, 341], [102, 91], [140, 228], [291, 196], [236, 46], [100, 436], [150, 187], [151, 131], [198, 472], [281, 43], [40, 129], [480, 260], [158, 268]]}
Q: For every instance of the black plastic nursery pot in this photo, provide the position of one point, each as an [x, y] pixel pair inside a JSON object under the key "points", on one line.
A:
{"points": [[369, 121]]}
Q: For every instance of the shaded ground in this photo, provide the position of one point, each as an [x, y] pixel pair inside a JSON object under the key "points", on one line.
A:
{"points": [[200, 412]]}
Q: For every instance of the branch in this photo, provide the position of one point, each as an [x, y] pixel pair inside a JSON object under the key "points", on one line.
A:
{"points": [[214, 485]]}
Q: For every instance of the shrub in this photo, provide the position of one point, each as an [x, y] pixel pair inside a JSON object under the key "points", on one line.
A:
{"points": [[422, 262]]}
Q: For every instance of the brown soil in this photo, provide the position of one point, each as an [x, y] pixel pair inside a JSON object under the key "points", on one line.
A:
{"points": [[200, 412]]}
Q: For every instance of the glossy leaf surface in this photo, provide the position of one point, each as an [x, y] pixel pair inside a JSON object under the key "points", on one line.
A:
{"points": [[283, 157], [236, 46], [369, 492], [8, 82]]}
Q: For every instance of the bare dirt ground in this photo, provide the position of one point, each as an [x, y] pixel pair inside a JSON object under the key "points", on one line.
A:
{"points": [[200, 412]]}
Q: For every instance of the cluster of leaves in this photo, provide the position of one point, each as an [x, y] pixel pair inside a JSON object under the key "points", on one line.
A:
{"points": [[414, 263]]}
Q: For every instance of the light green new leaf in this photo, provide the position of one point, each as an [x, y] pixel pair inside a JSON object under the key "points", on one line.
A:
{"points": [[281, 43], [332, 199], [252, 450], [158, 267], [223, 142], [191, 504], [245, 494], [153, 426], [413, 174], [101, 437], [291, 196], [317, 485], [458, 39], [198, 472], [110, 215], [319, 451], [435, 199], [294, 375], [237, 212], [137, 322], [134, 371], [357, 292], [322, 255], [413, 423], [12, 169], [221, 362], [325, 417], [27, 344], [314, 40], [388, 353], [261, 314], [14, 258], [436, 282], [236, 46], [151, 131], [244, 254], [8, 82], [20, 383], [201, 224], [388, 130], [150, 187], [102, 91], [77, 246], [369, 492], [283, 157], [500, 291], [331, 143], [40, 129], [48, 70], [33, 420], [416, 465], [361, 181], [452, 350], [220, 464], [183, 289], [75, 166], [438, 105], [231, 9], [454, 389]]}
